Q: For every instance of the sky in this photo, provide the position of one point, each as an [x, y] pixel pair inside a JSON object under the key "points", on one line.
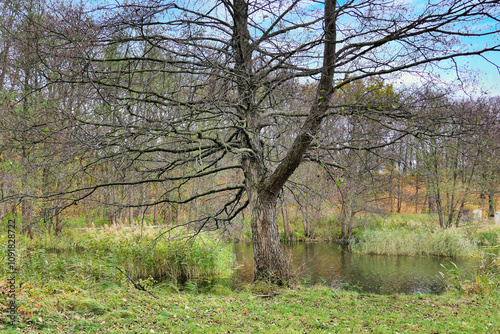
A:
{"points": [[488, 75], [480, 75]]}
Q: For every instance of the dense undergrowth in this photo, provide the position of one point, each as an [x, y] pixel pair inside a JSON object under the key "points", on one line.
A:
{"points": [[485, 279], [424, 240]]}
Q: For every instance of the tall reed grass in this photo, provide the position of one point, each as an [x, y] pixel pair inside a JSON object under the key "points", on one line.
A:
{"points": [[175, 255], [415, 241], [91, 256], [485, 279]]}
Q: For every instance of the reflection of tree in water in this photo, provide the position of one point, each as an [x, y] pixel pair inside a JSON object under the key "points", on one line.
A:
{"points": [[244, 260], [316, 263]]}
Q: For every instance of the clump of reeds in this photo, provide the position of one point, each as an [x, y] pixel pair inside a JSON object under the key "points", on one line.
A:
{"points": [[485, 279], [489, 237], [176, 254], [89, 256], [416, 241]]}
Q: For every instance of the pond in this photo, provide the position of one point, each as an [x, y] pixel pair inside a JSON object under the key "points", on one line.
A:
{"points": [[331, 265]]}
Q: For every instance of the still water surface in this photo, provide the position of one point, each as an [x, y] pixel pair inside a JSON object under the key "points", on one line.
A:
{"points": [[328, 264]]}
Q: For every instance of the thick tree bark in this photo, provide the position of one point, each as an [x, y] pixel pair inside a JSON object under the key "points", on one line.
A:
{"points": [[269, 259]]}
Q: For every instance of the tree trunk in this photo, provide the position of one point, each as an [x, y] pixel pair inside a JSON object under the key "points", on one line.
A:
{"points": [[27, 214], [391, 187], [130, 216], [416, 194], [26, 204], [306, 225], [491, 204], [269, 259], [262, 185], [58, 227], [350, 225], [343, 232], [346, 221], [399, 190], [430, 202], [286, 226], [439, 209], [460, 212]]}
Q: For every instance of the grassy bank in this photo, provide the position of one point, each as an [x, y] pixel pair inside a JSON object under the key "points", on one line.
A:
{"points": [[413, 235], [416, 241], [312, 310]]}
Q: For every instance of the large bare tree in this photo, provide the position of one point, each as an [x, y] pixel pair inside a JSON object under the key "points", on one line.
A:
{"points": [[178, 91]]}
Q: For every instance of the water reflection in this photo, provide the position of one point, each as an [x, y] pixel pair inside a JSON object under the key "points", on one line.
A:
{"points": [[332, 265]]}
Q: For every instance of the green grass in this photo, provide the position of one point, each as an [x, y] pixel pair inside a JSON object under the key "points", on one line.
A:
{"points": [[416, 241], [328, 228], [396, 220], [489, 237], [311, 310]]}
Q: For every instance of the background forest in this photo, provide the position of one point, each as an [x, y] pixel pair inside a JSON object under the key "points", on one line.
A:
{"points": [[101, 124], [447, 176]]}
